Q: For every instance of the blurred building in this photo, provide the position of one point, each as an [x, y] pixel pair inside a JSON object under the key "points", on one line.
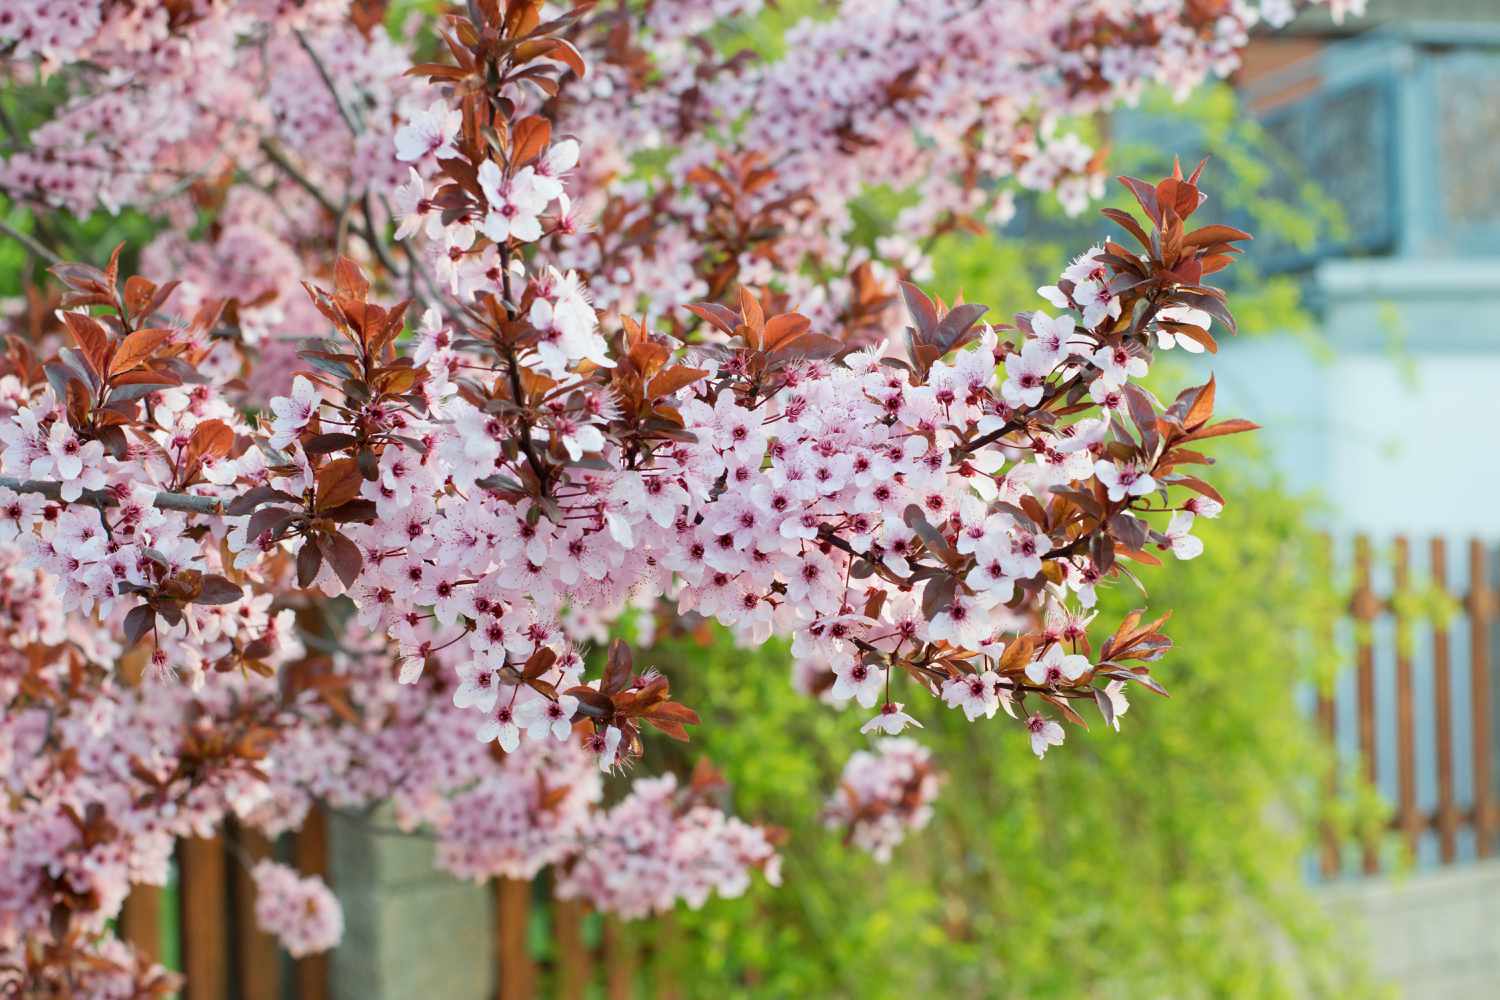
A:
{"points": [[1390, 412], [1397, 116]]}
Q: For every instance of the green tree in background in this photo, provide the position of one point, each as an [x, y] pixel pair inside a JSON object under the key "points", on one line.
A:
{"points": [[1169, 864]]}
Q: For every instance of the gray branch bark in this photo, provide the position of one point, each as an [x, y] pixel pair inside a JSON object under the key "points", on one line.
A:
{"points": [[185, 502]]}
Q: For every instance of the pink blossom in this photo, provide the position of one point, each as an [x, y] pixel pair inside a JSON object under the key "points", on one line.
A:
{"points": [[301, 912]]}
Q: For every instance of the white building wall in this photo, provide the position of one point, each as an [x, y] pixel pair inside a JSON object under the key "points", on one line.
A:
{"points": [[1391, 410]]}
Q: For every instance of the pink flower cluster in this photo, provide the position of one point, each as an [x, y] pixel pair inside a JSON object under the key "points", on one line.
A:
{"points": [[532, 811], [883, 794], [920, 99], [302, 913], [756, 518], [659, 845], [91, 773]]}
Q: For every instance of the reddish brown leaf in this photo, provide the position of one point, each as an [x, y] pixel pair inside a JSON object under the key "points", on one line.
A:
{"points": [[349, 281], [139, 292], [211, 440], [672, 379], [338, 482], [91, 338], [618, 671], [136, 349], [540, 662], [715, 315], [343, 555], [1199, 486], [1209, 235], [564, 52], [1224, 427], [1202, 408], [309, 562], [754, 317], [781, 329], [529, 137], [1127, 221]]}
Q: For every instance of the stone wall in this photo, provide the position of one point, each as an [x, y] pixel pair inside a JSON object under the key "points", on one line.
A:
{"points": [[1434, 934], [410, 931]]}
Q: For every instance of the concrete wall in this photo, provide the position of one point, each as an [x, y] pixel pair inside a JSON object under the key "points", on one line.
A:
{"points": [[1435, 935], [410, 931]]}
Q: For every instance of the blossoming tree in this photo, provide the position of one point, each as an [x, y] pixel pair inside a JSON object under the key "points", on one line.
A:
{"points": [[585, 328]]}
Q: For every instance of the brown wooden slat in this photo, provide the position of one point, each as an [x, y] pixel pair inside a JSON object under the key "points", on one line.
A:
{"points": [[1480, 616], [310, 856], [1364, 657], [619, 961], [512, 914], [205, 924], [1329, 862], [140, 920], [574, 961], [668, 937], [1406, 737], [1442, 695], [257, 964]]}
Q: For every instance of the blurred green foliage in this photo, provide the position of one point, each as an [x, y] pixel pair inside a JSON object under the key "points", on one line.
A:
{"points": [[25, 103], [1165, 860]]}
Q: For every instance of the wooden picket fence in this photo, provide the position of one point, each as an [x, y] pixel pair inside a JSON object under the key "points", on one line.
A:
{"points": [[1389, 689], [220, 950], [616, 965], [225, 957]]}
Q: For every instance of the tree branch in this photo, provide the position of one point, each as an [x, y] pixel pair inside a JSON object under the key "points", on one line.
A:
{"points": [[1053, 391], [185, 502], [276, 156]]}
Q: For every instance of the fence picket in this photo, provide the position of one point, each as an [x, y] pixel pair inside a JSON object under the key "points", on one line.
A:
{"points": [[1329, 861], [1409, 819], [668, 937], [619, 961], [512, 915], [574, 961], [1442, 697], [257, 965], [1365, 608], [140, 920], [1481, 612], [310, 856], [204, 908]]}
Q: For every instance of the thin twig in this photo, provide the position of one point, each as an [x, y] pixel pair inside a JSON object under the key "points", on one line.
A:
{"points": [[29, 242], [276, 156], [418, 271], [377, 245], [365, 232], [333, 92]]}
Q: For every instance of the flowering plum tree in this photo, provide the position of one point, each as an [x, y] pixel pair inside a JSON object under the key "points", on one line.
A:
{"points": [[268, 544]]}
